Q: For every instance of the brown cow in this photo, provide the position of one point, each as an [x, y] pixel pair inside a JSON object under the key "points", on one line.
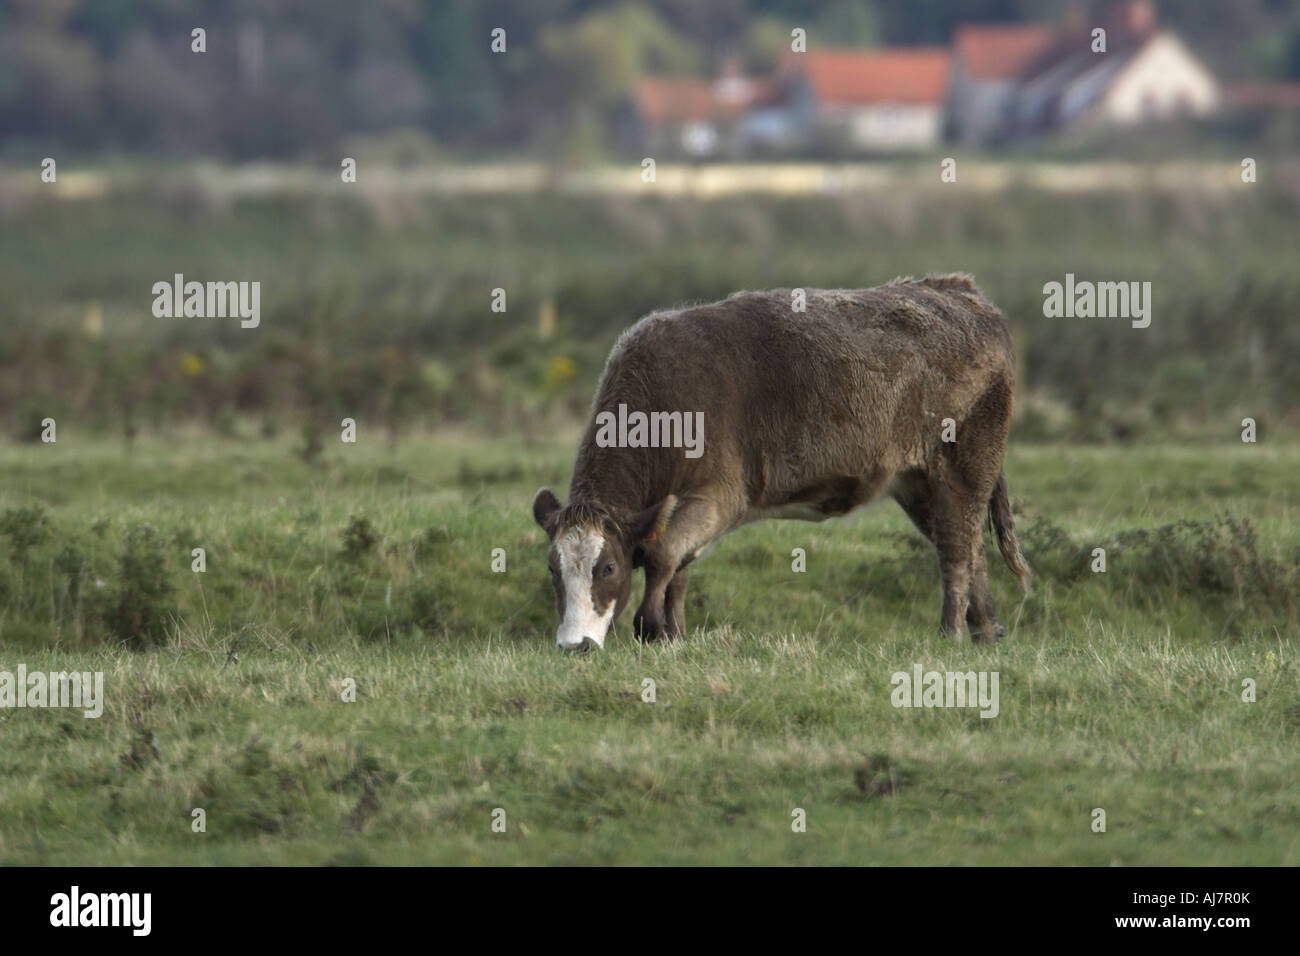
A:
{"points": [[904, 389]]}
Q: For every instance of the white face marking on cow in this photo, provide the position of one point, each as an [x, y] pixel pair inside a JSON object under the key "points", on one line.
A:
{"points": [[578, 549]]}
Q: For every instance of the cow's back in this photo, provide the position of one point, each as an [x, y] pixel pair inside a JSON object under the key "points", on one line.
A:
{"points": [[861, 379]]}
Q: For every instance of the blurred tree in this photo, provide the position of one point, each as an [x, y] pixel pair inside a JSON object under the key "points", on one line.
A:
{"points": [[293, 77], [599, 58], [1290, 65], [49, 76], [763, 44], [845, 23], [590, 67]]}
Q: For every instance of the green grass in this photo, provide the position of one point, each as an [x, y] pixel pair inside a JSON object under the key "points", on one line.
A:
{"points": [[1120, 691]]}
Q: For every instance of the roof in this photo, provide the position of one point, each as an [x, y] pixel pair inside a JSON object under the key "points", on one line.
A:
{"points": [[1001, 52], [917, 75], [1265, 95], [661, 99], [683, 99]]}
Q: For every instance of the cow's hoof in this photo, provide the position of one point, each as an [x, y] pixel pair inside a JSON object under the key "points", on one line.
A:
{"points": [[647, 630]]}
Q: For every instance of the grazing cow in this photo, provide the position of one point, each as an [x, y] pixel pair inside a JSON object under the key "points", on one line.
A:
{"points": [[904, 389]]}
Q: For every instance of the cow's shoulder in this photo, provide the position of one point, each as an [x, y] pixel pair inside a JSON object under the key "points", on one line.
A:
{"points": [[958, 282]]}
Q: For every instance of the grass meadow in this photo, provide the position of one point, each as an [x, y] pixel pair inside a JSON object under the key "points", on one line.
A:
{"points": [[369, 566], [224, 689]]}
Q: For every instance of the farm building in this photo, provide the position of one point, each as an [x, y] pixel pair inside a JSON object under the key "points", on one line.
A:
{"points": [[997, 82], [988, 64], [1015, 81], [696, 117], [867, 100]]}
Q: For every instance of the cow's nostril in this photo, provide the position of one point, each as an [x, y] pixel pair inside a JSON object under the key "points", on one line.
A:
{"points": [[580, 647]]}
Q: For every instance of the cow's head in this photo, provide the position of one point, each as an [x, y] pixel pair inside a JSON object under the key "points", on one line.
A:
{"points": [[591, 560]]}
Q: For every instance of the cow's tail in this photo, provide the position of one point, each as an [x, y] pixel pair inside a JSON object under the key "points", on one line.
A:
{"points": [[1004, 526]]}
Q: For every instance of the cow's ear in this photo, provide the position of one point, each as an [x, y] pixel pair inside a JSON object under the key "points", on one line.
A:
{"points": [[545, 504], [651, 523]]}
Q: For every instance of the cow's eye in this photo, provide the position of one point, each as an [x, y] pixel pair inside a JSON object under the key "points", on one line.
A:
{"points": [[607, 570]]}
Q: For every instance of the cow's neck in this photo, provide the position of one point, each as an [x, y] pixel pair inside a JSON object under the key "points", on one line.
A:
{"points": [[615, 482]]}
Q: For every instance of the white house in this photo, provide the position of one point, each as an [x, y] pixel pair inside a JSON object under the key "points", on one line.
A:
{"points": [[1021, 80], [1160, 80], [998, 82], [868, 100], [696, 117]]}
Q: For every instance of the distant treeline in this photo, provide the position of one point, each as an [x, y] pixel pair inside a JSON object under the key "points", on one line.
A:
{"points": [[286, 79]]}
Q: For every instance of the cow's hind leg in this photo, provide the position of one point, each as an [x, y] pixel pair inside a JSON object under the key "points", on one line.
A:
{"points": [[980, 618], [975, 464], [949, 515], [939, 513], [948, 505], [954, 524]]}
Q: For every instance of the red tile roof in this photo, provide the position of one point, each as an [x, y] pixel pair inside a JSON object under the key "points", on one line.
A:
{"points": [[1000, 52], [682, 99], [916, 75], [661, 99], [1265, 94]]}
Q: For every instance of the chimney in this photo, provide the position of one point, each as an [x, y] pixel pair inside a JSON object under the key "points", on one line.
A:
{"points": [[1141, 17], [1136, 18]]}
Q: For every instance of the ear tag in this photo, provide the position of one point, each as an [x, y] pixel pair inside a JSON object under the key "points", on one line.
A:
{"points": [[661, 520]]}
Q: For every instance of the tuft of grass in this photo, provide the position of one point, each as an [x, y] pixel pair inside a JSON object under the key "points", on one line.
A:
{"points": [[139, 609]]}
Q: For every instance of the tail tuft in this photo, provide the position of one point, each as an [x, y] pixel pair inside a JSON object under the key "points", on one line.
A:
{"points": [[1004, 526]]}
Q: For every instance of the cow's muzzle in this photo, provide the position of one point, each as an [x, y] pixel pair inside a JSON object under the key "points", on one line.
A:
{"points": [[580, 645]]}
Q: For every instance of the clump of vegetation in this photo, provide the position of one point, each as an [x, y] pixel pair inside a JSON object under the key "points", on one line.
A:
{"points": [[25, 528], [140, 608], [1215, 564], [1217, 561], [880, 776], [427, 612], [359, 538], [70, 566], [430, 543], [1050, 551]]}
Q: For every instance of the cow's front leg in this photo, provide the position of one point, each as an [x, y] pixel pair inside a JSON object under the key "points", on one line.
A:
{"points": [[675, 599], [669, 620], [651, 620], [696, 523]]}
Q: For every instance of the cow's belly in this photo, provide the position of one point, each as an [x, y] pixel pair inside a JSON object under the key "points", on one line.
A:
{"points": [[826, 498], [794, 511]]}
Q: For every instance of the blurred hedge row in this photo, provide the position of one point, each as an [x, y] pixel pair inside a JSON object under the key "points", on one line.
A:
{"points": [[389, 319]]}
